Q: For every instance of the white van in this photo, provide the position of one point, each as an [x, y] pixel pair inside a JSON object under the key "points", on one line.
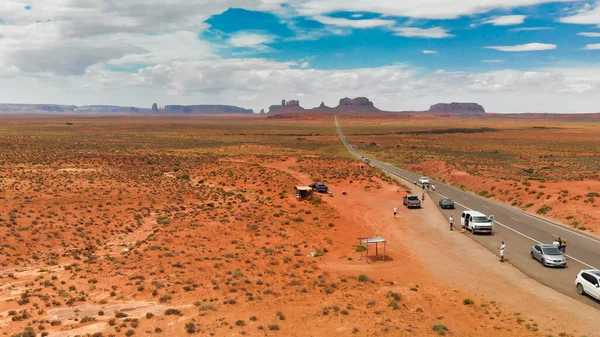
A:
{"points": [[477, 222]]}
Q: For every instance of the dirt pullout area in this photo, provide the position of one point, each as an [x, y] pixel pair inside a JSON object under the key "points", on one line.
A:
{"points": [[446, 267]]}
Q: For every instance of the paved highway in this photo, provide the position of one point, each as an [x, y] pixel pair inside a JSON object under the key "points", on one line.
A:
{"points": [[519, 229]]}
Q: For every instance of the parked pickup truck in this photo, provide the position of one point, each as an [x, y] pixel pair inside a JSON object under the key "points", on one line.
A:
{"points": [[411, 200], [477, 222]]}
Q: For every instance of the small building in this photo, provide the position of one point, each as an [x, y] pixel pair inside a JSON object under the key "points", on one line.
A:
{"points": [[303, 192]]}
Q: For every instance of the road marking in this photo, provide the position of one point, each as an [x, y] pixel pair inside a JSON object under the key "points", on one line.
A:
{"points": [[486, 206], [517, 220]]}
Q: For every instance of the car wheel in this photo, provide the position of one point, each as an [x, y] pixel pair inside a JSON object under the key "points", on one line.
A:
{"points": [[543, 262], [532, 256], [580, 290]]}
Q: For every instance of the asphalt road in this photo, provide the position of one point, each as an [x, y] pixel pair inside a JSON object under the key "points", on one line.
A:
{"points": [[520, 230]]}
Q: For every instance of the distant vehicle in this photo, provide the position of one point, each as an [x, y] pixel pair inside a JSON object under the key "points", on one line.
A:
{"points": [[446, 203], [319, 187], [367, 160], [588, 282], [411, 201], [477, 222], [362, 157], [424, 181], [548, 255]]}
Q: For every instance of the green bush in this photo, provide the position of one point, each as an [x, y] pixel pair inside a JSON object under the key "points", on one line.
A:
{"points": [[544, 209], [440, 329], [363, 278], [468, 301]]}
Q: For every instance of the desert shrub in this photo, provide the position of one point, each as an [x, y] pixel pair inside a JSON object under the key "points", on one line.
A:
{"points": [[129, 333], [173, 311], [240, 322], [207, 306], [483, 193], [544, 209], [28, 332], [87, 319], [394, 305], [317, 201], [120, 314], [274, 327], [149, 315], [440, 329], [164, 298], [190, 328], [468, 301], [363, 278]]}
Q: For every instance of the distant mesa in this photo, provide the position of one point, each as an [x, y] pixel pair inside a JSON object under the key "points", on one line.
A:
{"points": [[154, 108], [359, 104], [205, 109], [455, 108]]}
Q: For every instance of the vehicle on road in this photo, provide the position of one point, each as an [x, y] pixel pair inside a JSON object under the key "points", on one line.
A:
{"points": [[367, 160], [446, 203], [319, 187], [411, 201], [588, 282], [548, 255], [477, 222], [424, 181]]}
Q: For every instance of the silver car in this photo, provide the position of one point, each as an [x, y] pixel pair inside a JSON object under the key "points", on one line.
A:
{"points": [[548, 255]]}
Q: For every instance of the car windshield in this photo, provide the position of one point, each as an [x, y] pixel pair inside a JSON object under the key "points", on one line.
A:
{"points": [[413, 197], [480, 219], [446, 201], [551, 251]]}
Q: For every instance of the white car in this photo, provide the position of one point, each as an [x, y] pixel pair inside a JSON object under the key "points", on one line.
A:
{"points": [[477, 222], [588, 282], [424, 181]]}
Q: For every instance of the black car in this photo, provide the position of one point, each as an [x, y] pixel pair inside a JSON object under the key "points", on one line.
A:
{"points": [[446, 203]]}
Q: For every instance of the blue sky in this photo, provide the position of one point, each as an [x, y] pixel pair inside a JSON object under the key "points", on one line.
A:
{"points": [[510, 56], [375, 47]]}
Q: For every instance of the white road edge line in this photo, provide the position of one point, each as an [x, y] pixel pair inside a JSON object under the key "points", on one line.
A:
{"points": [[526, 236]]}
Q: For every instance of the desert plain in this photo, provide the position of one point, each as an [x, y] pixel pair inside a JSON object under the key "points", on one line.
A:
{"points": [[176, 226]]}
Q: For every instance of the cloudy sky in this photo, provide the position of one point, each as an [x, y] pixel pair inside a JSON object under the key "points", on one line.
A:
{"points": [[509, 55]]}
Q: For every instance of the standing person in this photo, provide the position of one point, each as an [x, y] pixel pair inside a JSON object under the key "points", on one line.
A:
{"points": [[563, 247], [556, 243], [423, 196], [395, 211], [433, 187], [502, 247], [451, 220]]}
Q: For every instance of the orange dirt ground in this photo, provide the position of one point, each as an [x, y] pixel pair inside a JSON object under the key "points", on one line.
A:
{"points": [[170, 229]]}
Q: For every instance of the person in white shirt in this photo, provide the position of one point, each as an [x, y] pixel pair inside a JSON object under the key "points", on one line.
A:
{"points": [[451, 220], [502, 247], [556, 243], [433, 187], [395, 211]]}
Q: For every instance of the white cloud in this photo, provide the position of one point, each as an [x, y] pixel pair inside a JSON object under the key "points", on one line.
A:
{"points": [[493, 61], [258, 83], [304, 65], [251, 40], [342, 22], [508, 20], [586, 15], [530, 29], [429, 52], [524, 47], [595, 46], [423, 9], [432, 33], [590, 34]]}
